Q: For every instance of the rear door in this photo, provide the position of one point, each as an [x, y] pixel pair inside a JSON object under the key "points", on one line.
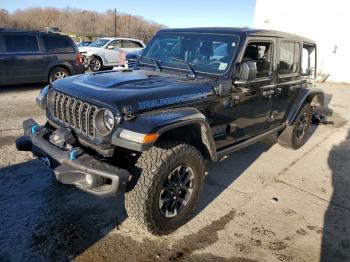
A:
{"points": [[58, 50], [23, 58], [288, 78]]}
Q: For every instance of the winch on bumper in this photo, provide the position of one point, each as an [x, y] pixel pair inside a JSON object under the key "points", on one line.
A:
{"points": [[74, 166]]}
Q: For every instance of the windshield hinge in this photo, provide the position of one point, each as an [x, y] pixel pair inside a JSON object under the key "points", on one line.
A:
{"points": [[128, 113]]}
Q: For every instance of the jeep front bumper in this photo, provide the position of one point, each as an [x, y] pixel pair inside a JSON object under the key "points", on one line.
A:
{"points": [[71, 168]]}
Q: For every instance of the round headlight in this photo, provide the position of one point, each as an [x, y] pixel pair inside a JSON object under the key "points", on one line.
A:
{"points": [[108, 119], [105, 120]]}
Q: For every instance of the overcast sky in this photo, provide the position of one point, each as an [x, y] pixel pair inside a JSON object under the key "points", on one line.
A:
{"points": [[176, 13]]}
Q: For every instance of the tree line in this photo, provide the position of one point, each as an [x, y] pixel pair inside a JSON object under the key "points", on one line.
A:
{"points": [[80, 22]]}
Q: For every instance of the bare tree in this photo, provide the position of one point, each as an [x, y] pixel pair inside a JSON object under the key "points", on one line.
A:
{"points": [[79, 22]]}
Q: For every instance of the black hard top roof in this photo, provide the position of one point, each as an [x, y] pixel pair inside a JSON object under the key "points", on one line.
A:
{"points": [[238, 31]]}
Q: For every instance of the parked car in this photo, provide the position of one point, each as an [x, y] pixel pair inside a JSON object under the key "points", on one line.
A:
{"points": [[30, 57], [133, 57], [84, 43], [198, 94], [109, 52]]}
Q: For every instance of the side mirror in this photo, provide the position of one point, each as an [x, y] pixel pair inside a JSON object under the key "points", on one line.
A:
{"points": [[246, 72], [110, 47]]}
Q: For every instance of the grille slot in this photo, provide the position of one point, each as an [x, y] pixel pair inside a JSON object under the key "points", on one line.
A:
{"points": [[74, 113]]}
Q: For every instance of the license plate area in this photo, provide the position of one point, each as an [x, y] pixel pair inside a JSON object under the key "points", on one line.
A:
{"points": [[62, 138]]}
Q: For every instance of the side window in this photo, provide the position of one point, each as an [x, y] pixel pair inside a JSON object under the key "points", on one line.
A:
{"points": [[116, 44], [21, 43], [131, 44], [56, 44], [261, 53], [308, 60], [289, 59]]}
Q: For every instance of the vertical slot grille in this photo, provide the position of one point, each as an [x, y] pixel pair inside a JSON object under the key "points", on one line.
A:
{"points": [[74, 113]]}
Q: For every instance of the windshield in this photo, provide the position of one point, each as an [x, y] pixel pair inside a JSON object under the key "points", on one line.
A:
{"points": [[207, 53], [99, 43]]}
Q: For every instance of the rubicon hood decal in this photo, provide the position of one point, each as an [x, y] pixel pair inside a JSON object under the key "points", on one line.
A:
{"points": [[171, 100]]}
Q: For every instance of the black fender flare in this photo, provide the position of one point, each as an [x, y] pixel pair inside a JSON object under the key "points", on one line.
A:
{"points": [[314, 96], [161, 121]]}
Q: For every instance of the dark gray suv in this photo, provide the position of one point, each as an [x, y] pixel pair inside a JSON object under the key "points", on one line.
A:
{"points": [[31, 57]]}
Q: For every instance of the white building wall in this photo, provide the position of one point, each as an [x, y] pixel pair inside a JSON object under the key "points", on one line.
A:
{"points": [[326, 22]]}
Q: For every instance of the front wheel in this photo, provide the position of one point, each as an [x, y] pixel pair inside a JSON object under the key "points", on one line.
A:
{"points": [[166, 184], [95, 64]]}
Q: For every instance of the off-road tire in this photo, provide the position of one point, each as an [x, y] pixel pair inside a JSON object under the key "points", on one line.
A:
{"points": [[151, 170], [289, 136], [56, 72]]}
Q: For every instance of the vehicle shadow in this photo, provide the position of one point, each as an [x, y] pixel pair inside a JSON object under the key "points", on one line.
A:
{"points": [[336, 229], [21, 88], [42, 220]]}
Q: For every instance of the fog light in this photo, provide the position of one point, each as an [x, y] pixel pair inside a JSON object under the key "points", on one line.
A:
{"points": [[90, 180]]}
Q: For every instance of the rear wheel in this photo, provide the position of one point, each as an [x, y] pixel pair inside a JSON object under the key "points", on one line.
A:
{"points": [[295, 136], [95, 64], [58, 73], [166, 184]]}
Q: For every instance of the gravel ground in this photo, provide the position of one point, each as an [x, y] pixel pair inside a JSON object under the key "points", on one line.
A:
{"points": [[264, 203]]}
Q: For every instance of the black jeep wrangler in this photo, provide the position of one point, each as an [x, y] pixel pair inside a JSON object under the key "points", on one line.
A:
{"points": [[197, 94]]}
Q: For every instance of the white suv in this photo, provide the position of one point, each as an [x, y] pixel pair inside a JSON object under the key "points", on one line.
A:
{"points": [[109, 52]]}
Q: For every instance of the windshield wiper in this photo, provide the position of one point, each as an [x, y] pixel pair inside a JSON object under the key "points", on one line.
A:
{"points": [[155, 61], [194, 75]]}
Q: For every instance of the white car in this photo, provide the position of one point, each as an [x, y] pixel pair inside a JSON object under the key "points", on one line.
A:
{"points": [[109, 52]]}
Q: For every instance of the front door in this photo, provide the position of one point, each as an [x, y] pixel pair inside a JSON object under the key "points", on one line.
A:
{"points": [[248, 111], [112, 56]]}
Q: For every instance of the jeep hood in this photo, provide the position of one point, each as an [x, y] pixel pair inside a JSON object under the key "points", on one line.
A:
{"points": [[139, 90]]}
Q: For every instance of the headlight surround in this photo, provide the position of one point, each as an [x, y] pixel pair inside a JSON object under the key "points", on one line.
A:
{"points": [[105, 121], [41, 99], [108, 119]]}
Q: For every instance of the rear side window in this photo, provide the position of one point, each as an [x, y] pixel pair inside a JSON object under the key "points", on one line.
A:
{"points": [[308, 64], [131, 44], [21, 43], [57, 44], [289, 59]]}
